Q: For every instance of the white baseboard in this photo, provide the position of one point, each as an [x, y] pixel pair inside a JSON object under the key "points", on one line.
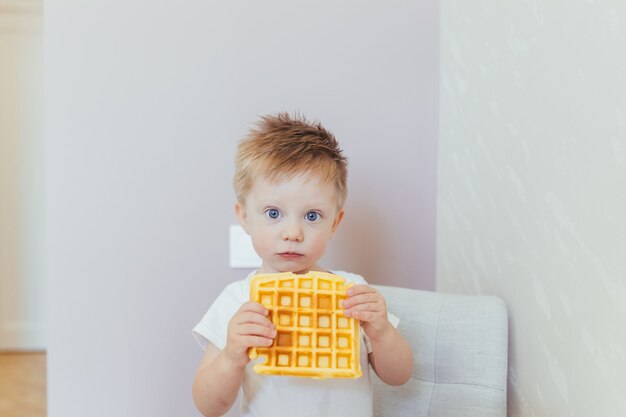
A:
{"points": [[22, 336]]}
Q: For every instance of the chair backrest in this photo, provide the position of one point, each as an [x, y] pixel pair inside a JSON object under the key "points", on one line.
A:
{"points": [[460, 346]]}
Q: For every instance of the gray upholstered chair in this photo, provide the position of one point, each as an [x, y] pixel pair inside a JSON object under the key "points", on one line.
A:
{"points": [[460, 352]]}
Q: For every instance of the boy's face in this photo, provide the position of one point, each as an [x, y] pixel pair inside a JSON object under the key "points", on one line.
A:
{"points": [[290, 222]]}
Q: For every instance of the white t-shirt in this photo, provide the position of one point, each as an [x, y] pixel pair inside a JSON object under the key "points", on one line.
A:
{"points": [[277, 396]]}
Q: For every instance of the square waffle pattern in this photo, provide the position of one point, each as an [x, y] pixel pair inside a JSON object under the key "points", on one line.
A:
{"points": [[313, 337]]}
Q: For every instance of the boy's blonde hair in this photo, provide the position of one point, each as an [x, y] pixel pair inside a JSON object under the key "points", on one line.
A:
{"points": [[281, 146]]}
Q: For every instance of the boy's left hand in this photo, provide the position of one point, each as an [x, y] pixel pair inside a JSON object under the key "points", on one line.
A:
{"points": [[366, 304]]}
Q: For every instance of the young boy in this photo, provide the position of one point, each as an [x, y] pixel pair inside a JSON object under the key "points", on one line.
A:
{"points": [[290, 183]]}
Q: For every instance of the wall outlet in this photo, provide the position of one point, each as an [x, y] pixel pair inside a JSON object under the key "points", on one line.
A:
{"points": [[242, 253]]}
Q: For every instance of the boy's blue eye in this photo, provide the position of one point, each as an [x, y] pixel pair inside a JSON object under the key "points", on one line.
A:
{"points": [[312, 216], [273, 213]]}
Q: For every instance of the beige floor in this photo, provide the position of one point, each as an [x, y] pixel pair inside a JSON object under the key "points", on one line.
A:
{"points": [[22, 384]]}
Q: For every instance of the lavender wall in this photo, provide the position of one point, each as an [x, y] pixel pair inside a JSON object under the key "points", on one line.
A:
{"points": [[144, 105]]}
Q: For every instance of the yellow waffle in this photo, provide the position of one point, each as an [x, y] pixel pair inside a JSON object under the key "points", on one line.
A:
{"points": [[314, 338]]}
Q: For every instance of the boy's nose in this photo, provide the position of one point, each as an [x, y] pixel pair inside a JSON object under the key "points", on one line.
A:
{"points": [[292, 232]]}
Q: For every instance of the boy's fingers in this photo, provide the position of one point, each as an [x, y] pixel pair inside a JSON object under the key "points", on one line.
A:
{"points": [[364, 298], [254, 307], [372, 306], [251, 309], [256, 330], [252, 341], [253, 318], [241, 344], [359, 289], [364, 315]]}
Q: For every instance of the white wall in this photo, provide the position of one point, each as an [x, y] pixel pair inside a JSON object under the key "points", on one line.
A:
{"points": [[145, 102], [21, 95], [532, 191]]}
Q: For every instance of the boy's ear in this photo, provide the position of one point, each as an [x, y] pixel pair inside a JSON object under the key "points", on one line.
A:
{"points": [[242, 214], [338, 220]]}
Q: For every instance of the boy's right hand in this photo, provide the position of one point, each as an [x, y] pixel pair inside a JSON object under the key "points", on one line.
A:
{"points": [[249, 327]]}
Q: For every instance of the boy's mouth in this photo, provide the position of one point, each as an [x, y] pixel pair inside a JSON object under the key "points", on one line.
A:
{"points": [[290, 255]]}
